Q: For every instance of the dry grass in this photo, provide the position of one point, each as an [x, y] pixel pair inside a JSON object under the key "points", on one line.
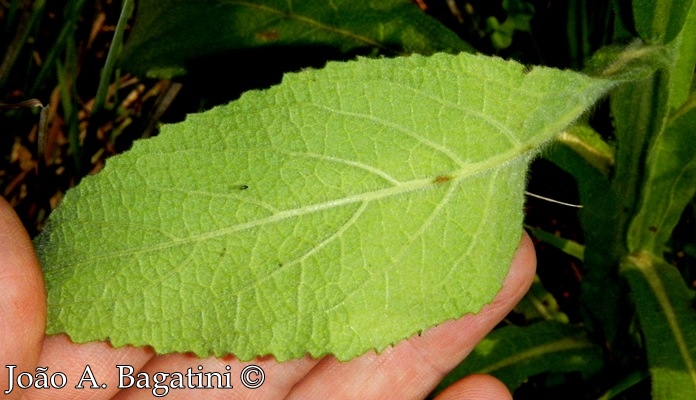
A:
{"points": [[55, 54]]}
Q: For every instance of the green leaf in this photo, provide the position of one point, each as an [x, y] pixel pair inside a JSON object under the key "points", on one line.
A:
{"points": [[168, 35], [670, 182], [640, 111], [513, 354], [685, 59], [660, 21], [587, 143], [519, 16], [539, 304], [633, 62], [601, 287], [341, 211], [520, 12], [668, 321], [627, 382], [570, 247]]}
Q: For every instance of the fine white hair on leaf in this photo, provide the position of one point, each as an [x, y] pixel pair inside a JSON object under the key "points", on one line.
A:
{"points": [[552, 200]]}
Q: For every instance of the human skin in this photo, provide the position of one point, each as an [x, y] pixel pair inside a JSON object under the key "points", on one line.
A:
{"points": [[408, 370]]}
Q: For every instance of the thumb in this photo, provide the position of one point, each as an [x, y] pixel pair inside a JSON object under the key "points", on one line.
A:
{"points": [[476, 387], [22, 299]]}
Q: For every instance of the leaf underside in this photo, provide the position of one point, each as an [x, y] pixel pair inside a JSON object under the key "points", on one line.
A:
{"points": [[341, 211]]}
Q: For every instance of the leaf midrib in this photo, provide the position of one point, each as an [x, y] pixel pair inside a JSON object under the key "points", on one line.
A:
{"points": [[499, 161]]}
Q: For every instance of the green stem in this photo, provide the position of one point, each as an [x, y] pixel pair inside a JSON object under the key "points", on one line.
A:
{"points": [[15, 48], [114, 51], [72, 15]]}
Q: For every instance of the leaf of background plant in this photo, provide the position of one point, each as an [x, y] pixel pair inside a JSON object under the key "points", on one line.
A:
{"points": [[539, 304], [519, 16], [587, 143], [601, 288], [513, 354], [640, 112], [633, 62], [660, 21], [685, 59], [639, 108], [170, 34], [341, 211], [668, 321], [569, 247], [670, 183]]}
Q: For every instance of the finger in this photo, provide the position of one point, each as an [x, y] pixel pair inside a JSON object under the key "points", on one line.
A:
{"points": [[413, 367], [278, 378], [476, 387], [90, 368], [22, 299]]}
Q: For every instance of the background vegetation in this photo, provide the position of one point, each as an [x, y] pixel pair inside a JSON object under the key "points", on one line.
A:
{"points": [[581, 330]]}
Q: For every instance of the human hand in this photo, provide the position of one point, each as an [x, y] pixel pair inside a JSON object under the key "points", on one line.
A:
{"points": [[410, 369]]}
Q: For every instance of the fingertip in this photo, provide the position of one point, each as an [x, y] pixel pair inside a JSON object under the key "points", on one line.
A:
{"points": [[476, 387], [523, 266]]}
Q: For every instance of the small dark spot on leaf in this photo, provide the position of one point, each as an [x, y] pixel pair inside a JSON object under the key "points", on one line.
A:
{"points": [[652, 229], [243, 187], [442, 179], [267, 36], [526, 70]]}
